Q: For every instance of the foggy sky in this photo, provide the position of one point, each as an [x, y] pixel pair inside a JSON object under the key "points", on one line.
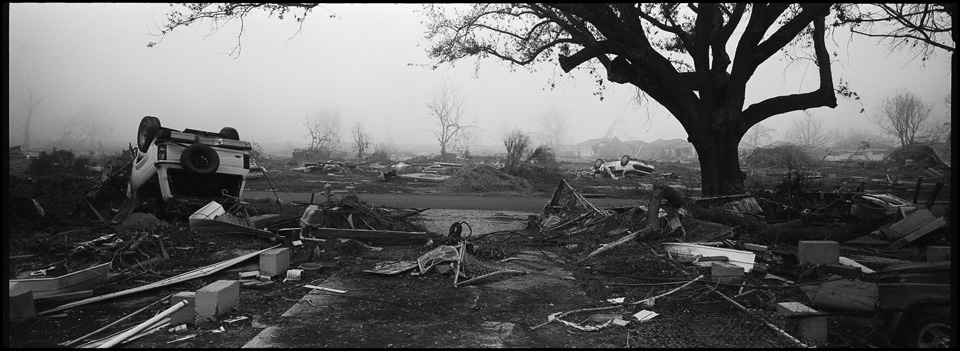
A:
{"points": [[97, 54]]}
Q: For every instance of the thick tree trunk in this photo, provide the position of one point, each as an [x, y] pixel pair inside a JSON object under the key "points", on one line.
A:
{"points": [[719, 162]]}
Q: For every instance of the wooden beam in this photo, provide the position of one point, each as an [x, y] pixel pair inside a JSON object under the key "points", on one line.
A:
{"points": [[379, 237]]}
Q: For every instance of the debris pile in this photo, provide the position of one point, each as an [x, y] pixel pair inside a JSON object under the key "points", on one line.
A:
{"points": [[765, 249], [485, 178]]}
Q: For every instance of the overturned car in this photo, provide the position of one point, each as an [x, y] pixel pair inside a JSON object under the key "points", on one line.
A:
{"points": [[191, 164], [622, 168]]}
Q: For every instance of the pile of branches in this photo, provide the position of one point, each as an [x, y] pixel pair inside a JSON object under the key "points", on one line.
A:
{"points": [[353, 213]]}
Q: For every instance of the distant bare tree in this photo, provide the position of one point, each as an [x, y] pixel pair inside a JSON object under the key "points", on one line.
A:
{"points": [[465, 140], [86, 128], [759, 134], [808, 132], [449, 108], [517, 142], [361, 139], [938, 131], [30, 103], [556, 128], [903, 115], [617, 126], [323, 130]]}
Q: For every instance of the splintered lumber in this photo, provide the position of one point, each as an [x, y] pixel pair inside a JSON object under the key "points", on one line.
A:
{"points": [[917, 234], [645, 302], [378, 237], [840, 234], [325, 289], [163, 323], [843, 295], [609, 246], [764, 321], [908, 224], [74, 341], [140, 327], [197, 273]]}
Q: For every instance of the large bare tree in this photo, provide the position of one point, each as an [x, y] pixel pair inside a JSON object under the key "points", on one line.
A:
{"points": [[904, 116], [324, 129], [809, 132], [449, 109], [361, 139], [675, 53]]}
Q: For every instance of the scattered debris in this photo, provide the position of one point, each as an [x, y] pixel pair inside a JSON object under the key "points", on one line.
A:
{"points": [[393, 268], [645, 315], [197, 273], [51, 286], [325, 289]]}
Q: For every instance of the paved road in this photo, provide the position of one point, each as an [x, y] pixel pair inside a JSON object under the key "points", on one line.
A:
{"points": [[461, 202]]}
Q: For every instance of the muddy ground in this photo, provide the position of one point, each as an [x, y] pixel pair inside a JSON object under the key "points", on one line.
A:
{"points": [[427, 311]]}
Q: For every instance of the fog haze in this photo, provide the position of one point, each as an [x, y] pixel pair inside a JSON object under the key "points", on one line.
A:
{"points": [[370, 64]]}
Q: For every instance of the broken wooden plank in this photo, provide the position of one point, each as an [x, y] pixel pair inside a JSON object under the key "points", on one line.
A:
{"points": [[917, 234], [393, 268], [197, 273], [379, 237], [851, 263], [140, 327], [908, 224], [325, 289], [66, 296], [74, 341], [843, 295]]}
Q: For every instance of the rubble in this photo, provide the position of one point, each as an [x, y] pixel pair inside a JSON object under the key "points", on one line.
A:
{"points": [[827, 251]]}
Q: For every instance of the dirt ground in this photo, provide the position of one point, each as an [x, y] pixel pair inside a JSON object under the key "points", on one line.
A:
{"points": [[427, 311]]}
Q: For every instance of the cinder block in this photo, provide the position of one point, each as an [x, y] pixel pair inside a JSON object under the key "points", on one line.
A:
{"points": [[217, 299], [938, 253], [818, 251], [21, 307], [719, 269], [811, 330], [186, 314], [275, 262]]}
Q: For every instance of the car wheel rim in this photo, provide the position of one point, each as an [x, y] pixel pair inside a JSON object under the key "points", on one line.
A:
{"points": [[107, 171], [934, 335], [201, 161]]}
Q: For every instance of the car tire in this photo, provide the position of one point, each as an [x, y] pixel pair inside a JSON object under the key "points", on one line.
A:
{"points": [[926, 331], [229, 133], [108, 169], [149, 128], [200, 159]]}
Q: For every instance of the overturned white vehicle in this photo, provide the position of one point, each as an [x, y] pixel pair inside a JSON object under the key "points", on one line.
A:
{"points": [[191, 164], [621, 168]]}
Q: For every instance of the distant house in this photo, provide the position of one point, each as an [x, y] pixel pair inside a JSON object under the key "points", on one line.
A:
{"points": [[607, 148], [645, 150], [744, 149], [587, 148], [674, 149], [861, 151]]}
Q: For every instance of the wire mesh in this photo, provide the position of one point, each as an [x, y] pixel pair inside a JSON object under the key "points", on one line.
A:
{"points": [[691, 317]]}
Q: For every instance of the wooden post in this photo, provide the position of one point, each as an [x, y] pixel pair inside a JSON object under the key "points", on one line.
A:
{"points": [[933, 197], [916, 192]]}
